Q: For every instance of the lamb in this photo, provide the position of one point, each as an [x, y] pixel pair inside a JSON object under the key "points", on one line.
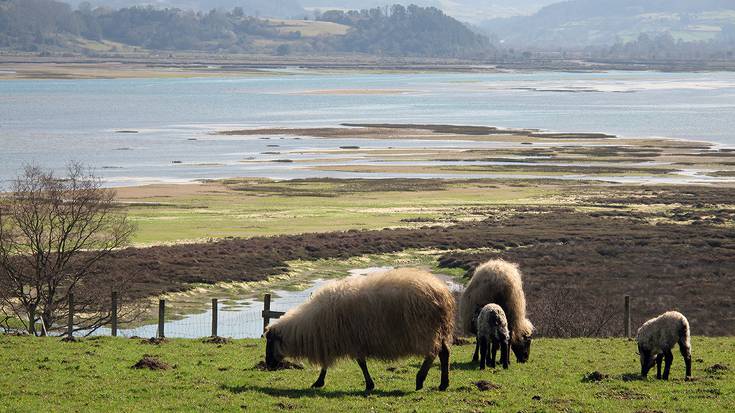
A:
{"points": [[386, 316], [657, 337], [500, 282], [492, 326]]}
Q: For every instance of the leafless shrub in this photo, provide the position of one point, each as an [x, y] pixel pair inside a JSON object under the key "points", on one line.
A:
{"points": [[565, 313]]}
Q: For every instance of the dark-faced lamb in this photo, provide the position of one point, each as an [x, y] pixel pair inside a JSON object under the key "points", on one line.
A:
{"points": [[492, 329], [499, 282], [658, 336], [387, 316]]}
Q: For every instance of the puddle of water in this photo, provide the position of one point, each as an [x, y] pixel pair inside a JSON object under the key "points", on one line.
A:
{"points": [[242, 318]]}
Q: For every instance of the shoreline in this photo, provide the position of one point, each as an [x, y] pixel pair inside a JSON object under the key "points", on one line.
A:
{"points": [[188, 64]]}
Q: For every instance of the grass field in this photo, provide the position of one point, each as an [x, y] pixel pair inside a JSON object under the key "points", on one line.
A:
{"points": [[97, 375], [247, 208]]}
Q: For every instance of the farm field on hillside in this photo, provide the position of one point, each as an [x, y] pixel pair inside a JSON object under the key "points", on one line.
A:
{"points": [[46, 374]]}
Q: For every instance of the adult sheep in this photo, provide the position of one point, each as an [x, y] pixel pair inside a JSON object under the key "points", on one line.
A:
{"points": [[658, 336], [386, 316], [499, 282]]}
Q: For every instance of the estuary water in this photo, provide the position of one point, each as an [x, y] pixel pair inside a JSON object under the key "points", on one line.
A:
{"points": [[50, 122], [242, 318]]}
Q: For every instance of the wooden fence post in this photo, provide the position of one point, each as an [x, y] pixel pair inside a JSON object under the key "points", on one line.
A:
{"points": [[161, 317], [214, 317], [70, 325], [113, 315], [626, 317], [266, 311]]}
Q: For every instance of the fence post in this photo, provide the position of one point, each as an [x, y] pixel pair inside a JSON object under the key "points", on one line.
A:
{"points": [[70, 325], [626, 317], [266, 311], [214, 317], [113, 311], [161, 317]]}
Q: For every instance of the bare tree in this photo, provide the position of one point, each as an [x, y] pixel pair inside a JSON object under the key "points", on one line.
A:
{"points": [[54, 236]]}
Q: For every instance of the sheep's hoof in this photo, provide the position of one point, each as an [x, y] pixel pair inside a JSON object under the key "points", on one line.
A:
{"points": [[419, 386], [444, 386], [317, 385]]}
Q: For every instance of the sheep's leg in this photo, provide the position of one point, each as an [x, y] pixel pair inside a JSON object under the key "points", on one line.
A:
{"points": [[686, 352], [477, 351], [319, 383], [510, 342], [668, 358], [504, 354], [659, 359], [423, 371], [369, 385], [483, 351], [444, 359], [493, 354]]}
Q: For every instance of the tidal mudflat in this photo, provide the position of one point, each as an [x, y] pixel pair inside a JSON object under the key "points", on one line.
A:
{"points": [[505, 153]]}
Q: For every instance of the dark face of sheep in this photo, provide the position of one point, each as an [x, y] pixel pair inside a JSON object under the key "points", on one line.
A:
{"points": [[522, 349], [647, 360], [273, 350]]}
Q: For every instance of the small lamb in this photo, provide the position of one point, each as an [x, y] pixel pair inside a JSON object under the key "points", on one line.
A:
{"points": [[492, 326], [657, 337]]}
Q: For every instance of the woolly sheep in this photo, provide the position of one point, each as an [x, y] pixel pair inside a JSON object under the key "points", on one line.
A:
{"points": [[386, 316], [500, 282], [492, 327], [657, 337]]}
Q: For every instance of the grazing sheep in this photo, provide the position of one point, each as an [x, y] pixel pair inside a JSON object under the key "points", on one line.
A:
{"points": [[386, 316], [657, 337], [500, 282], [492, 326]]}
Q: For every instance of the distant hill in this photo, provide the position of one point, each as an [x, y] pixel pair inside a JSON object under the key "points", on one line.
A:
{"points": [[473, 11], [261, 8], [407, 31], [583, 23], [48, 26]]}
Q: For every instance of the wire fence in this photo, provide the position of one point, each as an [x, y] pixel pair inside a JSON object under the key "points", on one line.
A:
{"points": [[230, 318], [240, 319]]}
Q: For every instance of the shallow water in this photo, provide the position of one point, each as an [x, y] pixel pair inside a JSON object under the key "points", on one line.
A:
{"points": [[242, 318], [50, 122]]}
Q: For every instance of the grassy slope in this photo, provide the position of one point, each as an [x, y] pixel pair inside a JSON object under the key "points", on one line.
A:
{"points": [[96, 375]]}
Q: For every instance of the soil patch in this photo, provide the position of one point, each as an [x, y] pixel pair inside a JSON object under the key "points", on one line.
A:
{"points": [[484, 385], [156, 341], [217, 340], [151, 363], [594, 377]]}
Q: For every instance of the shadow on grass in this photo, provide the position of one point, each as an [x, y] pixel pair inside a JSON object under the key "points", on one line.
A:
{"points": [[298, 393], [635, 376], [468, 365]]}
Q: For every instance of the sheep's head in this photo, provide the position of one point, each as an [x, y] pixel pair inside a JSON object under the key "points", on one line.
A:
{"points": [[522, 348], [273, 349], [521, 341], [648, 359]]}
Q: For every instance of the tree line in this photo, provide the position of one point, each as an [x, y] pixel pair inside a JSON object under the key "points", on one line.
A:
{"points": [[37, 25], [407, 31]]}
